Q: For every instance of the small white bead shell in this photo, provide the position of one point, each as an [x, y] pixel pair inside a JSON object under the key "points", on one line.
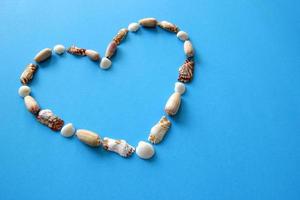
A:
{"points": [[145, 150], [182, 35], [133, 27], [105, 63], [24, 91], [59, 49], [68, 130], [179, 87]]}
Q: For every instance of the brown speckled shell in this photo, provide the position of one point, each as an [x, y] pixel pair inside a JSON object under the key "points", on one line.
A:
{"points": [[168, 26], [76, 51], [47, 118], [186, 71], [120, 35], [28, 73]]}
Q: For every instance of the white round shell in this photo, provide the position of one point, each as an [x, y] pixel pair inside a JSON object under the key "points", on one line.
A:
{"points": [[182, 35], [145, 150], [68, 130], [105, 63], [24, 90], [179, 87], [133, 27], [59, 49]]}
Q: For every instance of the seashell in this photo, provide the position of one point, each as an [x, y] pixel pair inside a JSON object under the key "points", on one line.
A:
{"points": [[173, 104], [43, 55], [24, 90], [121, 147], [159, 130], [67, 130], [76, 50], [120, 35], [59, 49], [28, 73], [148, 22], [145, 150], [93, 55], [105, 63], [182, 35], [88, 137], [111, 49], [47, 118], [186, 71], [179, 87], [31, 105], [168, 26], [133, 27], [188, 49]]}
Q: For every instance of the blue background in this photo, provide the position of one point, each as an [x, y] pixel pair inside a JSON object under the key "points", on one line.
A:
{"points": [[236, 136]]}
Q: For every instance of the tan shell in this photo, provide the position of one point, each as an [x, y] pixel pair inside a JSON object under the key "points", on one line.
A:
{"points": [[173, 104], [88, 137], [120, 35], [47, 118], [28, 73], [76, 50], [111, 49], [168, 26], [31, 105], [93, 55], [43, 55], [188, 48], [159, 130], [148, 22]]}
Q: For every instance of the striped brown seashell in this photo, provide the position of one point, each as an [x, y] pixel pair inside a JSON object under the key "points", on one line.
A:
{"points": [[28, 73], [186, 71], [120, 35], [76, 50]]}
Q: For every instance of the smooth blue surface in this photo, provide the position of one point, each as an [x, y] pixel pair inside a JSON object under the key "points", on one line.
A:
{"points": [[236, 137]]}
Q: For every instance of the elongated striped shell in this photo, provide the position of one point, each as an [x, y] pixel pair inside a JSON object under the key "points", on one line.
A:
{"points": [[148, 22], [28, 73], [173, 104], [188, 49], [168, 26], [120, 35], [111, 49], [43, 55], [88, 137], [76, 50], [31, 105], [159, 130], [186, 71], [47, 118], [120, 147]]}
